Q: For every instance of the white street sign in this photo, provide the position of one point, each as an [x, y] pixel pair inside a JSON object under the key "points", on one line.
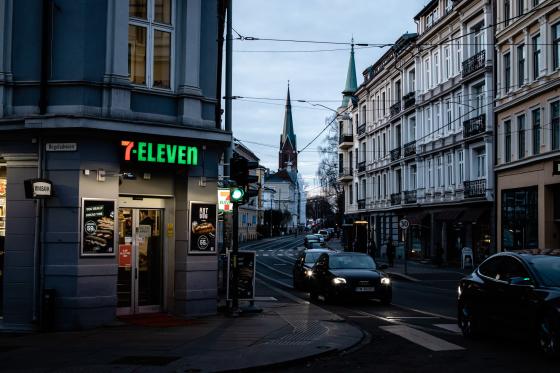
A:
{"points": [[404, 224]]}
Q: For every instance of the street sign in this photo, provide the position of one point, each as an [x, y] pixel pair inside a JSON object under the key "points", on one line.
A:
{"points": [[404, 224]]}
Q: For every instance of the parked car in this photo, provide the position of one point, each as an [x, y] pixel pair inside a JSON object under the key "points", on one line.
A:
{"points": [[331, 232], [320, 237], [515, 290], [324, 233], [341, 275], [302, 267], [309, 239]]}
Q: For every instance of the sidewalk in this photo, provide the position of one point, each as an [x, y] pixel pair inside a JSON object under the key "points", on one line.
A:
{"points": [[287, 330]]}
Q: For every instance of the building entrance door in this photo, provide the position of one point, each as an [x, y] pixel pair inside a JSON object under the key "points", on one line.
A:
{"points": [[140, 260]]}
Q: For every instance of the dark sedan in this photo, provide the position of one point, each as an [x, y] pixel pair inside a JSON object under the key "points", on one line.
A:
{"points": [[302, 267], [341, 275], [516, 290]]}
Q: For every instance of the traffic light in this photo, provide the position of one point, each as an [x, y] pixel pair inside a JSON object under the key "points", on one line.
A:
{"points": [[236, 194], [239, 174]]}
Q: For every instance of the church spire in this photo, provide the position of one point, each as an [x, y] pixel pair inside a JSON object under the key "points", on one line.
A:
{"points": [[351, 84], [288, 133]]}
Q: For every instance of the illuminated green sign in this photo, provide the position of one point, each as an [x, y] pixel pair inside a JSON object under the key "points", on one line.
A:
{"points": [[143, 151]]}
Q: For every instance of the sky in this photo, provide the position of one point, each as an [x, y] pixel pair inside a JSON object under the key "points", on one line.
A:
{"points": [[262, 69]]}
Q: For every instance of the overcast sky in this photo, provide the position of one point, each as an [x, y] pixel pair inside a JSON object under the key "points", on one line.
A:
{"points": [[313, 76]]}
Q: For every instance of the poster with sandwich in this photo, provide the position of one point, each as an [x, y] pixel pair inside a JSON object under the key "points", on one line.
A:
{"points": [[202, 228], [98, 227]]}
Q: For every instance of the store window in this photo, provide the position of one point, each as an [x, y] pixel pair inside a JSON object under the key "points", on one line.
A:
{"points": [[150, 35], [520, 219]]}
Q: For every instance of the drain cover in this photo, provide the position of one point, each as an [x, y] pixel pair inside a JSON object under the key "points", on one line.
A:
{"points": [[145, 360]]}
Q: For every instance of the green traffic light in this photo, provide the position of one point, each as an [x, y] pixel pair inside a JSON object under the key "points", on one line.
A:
{"points": [[237, 194]]}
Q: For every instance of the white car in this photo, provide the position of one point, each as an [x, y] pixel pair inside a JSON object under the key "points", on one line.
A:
{"points": [[324, 233]]}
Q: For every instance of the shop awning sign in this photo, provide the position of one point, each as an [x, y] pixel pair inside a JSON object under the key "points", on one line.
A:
{"points": [[160, 153], [38, 188], [224, 200]]}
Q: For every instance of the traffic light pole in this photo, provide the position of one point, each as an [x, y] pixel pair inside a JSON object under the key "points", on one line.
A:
{"points": [[234, 255]]}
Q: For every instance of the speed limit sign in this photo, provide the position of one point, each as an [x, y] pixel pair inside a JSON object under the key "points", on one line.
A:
{"points": [[404, 224]]}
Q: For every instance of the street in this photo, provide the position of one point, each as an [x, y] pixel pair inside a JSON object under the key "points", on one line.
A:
{"points": [[417, 333]]}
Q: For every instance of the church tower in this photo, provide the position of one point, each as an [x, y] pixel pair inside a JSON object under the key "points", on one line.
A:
{"points": [[288, 145], [351, 82]]}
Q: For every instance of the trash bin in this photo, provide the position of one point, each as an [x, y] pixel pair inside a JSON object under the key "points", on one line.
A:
{"points": [[48, 309]]}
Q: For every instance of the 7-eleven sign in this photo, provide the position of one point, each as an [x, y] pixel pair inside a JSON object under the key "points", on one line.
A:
{"points": [[224, 200]]}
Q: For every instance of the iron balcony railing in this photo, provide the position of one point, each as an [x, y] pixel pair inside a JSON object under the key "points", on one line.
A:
{"points": [[395, 154], [362, 166], [410, 148], [474, 126], [361, 129], [409, 100], [345, 137], [474, 63], [475, 188], [410, 196], [396, 199], [395, 108], [361, 204], [343, 172]]}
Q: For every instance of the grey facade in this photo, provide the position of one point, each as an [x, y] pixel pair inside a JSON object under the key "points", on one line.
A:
{"points": [[64, 78]]}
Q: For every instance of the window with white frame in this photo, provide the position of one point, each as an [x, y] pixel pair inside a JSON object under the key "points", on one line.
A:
{"points": [[461, 162], [449, 116], [384, 103], [479, 39], [411, 81], [412, 181], [480, 162], [507, 141], [373, 116], [412, 127], [439, 174], [520, 7], [520, 65], [537, 48], [427, 74], [450, 180], [459, 109], [447, 68], [556, 46], [385, 188], [150, 43], [448, 6], [436, 69], [437, 119], [378, 186], [555, 124], [521, 136], [507, 12], [373, 148], [430, 182], [458, 54], [507, 72]]}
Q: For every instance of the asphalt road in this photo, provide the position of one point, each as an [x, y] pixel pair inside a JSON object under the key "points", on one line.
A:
{"points": [[417, 333]]}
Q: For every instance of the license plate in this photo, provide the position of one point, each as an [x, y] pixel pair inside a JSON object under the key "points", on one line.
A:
{"points": [[362, 289]]}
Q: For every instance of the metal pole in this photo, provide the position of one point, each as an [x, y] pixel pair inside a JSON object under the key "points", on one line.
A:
{"points": [[405, 251], [228, 123], [234, 255]]}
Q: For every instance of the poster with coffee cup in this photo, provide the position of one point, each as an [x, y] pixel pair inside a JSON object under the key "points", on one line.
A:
{"points": [[98, 227], [202, 228]]}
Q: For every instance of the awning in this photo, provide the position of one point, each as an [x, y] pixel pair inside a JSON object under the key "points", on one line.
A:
{"points": [[473, 214]]}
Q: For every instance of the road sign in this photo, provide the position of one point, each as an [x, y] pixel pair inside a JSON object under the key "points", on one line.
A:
{"points": [[404, 224]]}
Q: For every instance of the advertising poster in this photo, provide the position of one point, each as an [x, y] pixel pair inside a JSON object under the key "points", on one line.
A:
{"points": [[202, 228], [247, 268], [98, 227]]}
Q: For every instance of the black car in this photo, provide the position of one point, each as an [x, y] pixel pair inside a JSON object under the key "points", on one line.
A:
{"points": [[302, 267], [341, 275], [514, 290]]}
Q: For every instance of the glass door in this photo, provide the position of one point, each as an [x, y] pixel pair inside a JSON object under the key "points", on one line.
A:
{"points": [[140, 261]]}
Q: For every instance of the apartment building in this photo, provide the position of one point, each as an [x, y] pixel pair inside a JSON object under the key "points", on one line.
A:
{"points": [[418, 141], [528, 122]]}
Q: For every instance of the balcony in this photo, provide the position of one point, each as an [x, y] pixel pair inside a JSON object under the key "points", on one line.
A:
{"points": [[395, 108], [410, 148], [361, 129], [474, 126], [362, 166], [361, 204], [474, 63], [475, 188], [396, 199], [395, 154], [409, 100], [345, 174], [345, 140], [410, 196]]}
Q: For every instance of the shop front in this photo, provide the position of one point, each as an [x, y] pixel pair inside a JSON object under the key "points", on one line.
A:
{"points": [[2, 230]]}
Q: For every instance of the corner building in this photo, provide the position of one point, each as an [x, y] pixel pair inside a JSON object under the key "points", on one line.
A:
{"points": [[116, 103]]}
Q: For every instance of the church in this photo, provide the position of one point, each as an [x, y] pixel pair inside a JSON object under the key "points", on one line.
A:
{"points": [[284, 189]]}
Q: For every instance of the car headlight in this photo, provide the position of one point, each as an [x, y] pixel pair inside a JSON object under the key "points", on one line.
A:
{"points": [[385, 281], [309, 273], [459, 290], [339, 280]]}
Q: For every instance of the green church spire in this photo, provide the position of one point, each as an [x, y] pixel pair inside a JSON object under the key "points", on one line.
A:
{"points": [[351, 84], [288, 133]]}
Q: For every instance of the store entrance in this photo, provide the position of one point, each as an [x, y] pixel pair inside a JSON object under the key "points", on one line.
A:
{"points": [[140, 260]]}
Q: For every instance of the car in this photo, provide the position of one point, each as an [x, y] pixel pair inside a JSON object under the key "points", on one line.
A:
{"points": [[324, 233], [342, 275], [331, 232], [515, 290], [302, 267], [320, 237], [309, 239]]}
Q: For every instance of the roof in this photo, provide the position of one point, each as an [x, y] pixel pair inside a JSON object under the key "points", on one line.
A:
{"points": [[244, 151], [282, 176], [288, 131], [426, 9], [351, 83]]}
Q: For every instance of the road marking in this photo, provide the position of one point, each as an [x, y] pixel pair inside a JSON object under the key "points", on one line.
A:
{"points": [[265, 299], [426, 312], [279, 264], [451, 327], [421, 338], [411, 317]]}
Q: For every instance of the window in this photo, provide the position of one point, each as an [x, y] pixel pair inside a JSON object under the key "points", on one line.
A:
{"points": [[536, 115], [507, 72], [556, 46], [507, 140], [429, 169], [357, 191], [448, 6], [459, 109], [385, 189], [384, 145], [480, 158], [480, 98], [378, 186], [350, 162], [520, 136], [520, 7], [412, 177], [507, 12], [458, 54], [490, 267], [363, 114], [437, 122], [479, 39], [520, 65], [450, 180], [412, 81], [428, 114], [364, 152], [536, 56], [350, 194], [460, 155], [427, 80], [447, 69], [449, 115], [374, 156], [439, 181], [535, 3], [520, 219], [150, 33], [412, 124], [555, 123], [384, 103], [436, 69]]}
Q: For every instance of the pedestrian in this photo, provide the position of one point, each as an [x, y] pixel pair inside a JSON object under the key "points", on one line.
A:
{"points": [[390, 251]]}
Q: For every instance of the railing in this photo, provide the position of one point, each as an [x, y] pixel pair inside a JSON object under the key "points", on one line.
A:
{"points": [[361, 129], [410, 148], [409, 100], [395, 108], [475, 188], [345, 137], [474, 126], [410, 196], [362, 166], [343, 172], [361, 204], [396, 199], [474, 63], [395, 154]]}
